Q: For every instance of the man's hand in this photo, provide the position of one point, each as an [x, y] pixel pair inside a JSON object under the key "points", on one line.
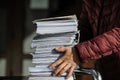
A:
{"points": [[66, 63]]}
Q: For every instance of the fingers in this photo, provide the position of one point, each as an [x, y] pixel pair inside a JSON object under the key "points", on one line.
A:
{"points": [[59, 61], [64, 69], [56, 63], [65, 63], [70, 72], [59, 69]]}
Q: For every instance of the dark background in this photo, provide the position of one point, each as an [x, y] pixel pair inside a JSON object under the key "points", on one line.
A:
{"points": [[16, 28], [16, 18]]}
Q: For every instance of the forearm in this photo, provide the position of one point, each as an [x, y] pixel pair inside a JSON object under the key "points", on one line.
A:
{"points": [[100, 46]]}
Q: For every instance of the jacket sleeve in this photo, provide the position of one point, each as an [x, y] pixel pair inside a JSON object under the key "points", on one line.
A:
{"points": [[100, 46]]}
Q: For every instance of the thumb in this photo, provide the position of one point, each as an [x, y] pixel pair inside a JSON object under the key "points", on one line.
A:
{"points": [[60, 49]]}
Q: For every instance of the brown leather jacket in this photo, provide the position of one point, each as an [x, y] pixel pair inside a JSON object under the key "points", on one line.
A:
{"points": [[100, 36]]}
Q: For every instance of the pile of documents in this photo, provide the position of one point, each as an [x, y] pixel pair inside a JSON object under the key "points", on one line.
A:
{"points": [[51, 33]]}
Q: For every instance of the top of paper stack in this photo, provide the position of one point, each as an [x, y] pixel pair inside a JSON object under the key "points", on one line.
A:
{"points": [[56, 25]]}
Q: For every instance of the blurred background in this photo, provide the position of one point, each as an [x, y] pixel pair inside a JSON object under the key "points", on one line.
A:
{"points": [[17, 29]]}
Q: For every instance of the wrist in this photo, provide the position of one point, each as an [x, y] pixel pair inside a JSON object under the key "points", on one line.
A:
{"points": [[77, 54]]}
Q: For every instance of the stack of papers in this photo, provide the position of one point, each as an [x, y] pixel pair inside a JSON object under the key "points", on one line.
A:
{"points": [[56, 25], [51, 33]]}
